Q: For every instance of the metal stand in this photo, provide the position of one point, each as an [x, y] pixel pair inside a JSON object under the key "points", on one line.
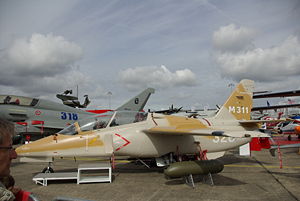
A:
{"points": [[210, 179], [81, 178], [143, 163], [99, 172], [189, 181]]}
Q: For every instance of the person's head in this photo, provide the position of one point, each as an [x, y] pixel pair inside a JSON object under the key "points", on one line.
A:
{"points": [[7, 153]]}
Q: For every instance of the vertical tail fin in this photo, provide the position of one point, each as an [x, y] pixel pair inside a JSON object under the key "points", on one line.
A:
{"points": [[138, 102], [239, 104]]}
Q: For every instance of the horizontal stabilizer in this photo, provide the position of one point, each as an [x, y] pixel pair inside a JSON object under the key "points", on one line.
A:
{"points": [[245, 134], [253, 122]]}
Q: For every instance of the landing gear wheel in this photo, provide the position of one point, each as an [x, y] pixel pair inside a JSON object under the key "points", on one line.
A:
{"points": [[47, 170], [289, 138]]}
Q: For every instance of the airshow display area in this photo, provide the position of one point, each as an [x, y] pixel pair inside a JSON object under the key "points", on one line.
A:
{"points": [[154, 154], [150, 100]]}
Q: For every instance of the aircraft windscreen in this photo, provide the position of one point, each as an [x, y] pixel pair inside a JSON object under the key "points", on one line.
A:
{"points": [[98, 122], [70, 130], [127, 117], [91, 123], [102, 121]]}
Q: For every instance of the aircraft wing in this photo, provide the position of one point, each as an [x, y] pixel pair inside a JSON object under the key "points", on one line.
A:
{"points": [[278, 94], [274, 107], [286, 146], [203, 132]]}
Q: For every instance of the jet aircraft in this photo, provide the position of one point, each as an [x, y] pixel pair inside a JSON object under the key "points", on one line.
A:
{"points": [[134, 134], [73, 101], [291, 127], [39, 118]]}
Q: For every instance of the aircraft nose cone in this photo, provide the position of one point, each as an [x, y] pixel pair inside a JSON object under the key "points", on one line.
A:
{"points": [[22, 150], [297, 129]]}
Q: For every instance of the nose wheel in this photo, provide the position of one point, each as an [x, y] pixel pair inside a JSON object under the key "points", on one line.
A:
{"points": [[48, 169]]}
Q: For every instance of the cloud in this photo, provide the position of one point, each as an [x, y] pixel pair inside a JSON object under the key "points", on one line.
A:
{"points": [[100, 93], [157, 77], [232, 39], [41, 64], [270, 64], [54, 84], [43, 55], [238, 58]]}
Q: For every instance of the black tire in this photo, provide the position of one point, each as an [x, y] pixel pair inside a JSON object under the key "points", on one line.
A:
{"points": [[22, 140], [289, 138], [17, 139], [48, 170]]}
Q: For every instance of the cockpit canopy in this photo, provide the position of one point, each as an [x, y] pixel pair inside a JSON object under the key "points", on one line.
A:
{"points": [[108, 119], [18, 100]]}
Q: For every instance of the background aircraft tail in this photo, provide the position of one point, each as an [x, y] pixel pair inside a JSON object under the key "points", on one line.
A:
{"points": [[238, 105], [138, 102]]}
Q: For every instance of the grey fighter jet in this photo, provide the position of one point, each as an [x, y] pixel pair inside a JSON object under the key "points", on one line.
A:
{"points": [[36, 118]]}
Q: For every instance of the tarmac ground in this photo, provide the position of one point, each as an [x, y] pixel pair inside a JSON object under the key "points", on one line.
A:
{"points": [[258, 177]]}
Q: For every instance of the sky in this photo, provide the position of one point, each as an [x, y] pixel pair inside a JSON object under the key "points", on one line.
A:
{"points": [[190, 51]]}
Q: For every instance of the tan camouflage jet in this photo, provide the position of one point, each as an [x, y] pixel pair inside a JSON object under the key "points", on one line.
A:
{"points": [[140, 135]]}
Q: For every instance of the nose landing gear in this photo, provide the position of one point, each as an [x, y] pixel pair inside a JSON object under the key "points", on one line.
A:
{"points": [[48, 169]]}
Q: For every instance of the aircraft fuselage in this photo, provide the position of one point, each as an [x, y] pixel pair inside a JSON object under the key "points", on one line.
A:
{"points": [[126, 140]]}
